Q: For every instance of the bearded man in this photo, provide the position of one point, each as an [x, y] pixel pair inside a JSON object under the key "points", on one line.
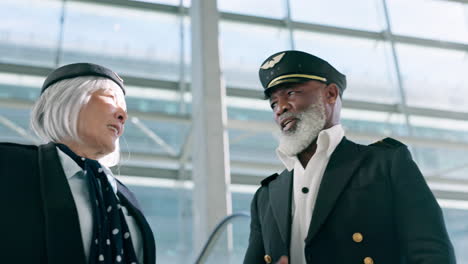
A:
{"points": [[337, 201]]}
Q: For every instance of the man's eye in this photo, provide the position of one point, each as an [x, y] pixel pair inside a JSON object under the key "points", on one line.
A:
{"points": [[273, 105], [291, 92]]}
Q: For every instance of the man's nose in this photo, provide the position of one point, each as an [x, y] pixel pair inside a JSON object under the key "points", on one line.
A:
{"points": [[282, 107]]}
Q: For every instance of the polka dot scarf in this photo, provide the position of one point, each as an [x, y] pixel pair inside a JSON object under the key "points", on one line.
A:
{"points": [[111, 242]]}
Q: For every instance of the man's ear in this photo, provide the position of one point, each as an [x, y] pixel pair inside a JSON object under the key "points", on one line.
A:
{"points": [[332, 92]]}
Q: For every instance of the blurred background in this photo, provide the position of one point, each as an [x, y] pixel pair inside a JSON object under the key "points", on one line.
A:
{"points": [[405, 61]]}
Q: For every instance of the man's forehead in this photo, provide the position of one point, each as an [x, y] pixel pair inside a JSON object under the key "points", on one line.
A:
{"points": [[283, 87]]}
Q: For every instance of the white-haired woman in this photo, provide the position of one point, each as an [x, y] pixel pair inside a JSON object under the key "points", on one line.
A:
{"points": [[61, 203]]}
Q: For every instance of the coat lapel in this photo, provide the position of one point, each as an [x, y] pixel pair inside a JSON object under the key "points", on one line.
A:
{"points": [[343, 163], [63, 234], [280, 199], [129, 200]]}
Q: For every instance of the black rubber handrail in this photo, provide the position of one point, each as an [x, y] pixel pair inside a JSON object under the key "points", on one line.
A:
{"points": [[215, 234]]}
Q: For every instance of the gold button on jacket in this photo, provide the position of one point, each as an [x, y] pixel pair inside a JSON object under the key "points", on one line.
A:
{"points": [[368, 260], [267, 258], [357, 237]]}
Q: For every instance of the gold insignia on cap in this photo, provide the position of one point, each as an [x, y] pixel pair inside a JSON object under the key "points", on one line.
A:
{"points": [[271, 63]]}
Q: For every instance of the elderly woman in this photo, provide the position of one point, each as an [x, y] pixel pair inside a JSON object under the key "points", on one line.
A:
{"points": [[60, 202]]}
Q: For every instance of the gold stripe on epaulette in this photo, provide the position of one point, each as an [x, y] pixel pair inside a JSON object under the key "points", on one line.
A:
{"points": [[279, 79]]}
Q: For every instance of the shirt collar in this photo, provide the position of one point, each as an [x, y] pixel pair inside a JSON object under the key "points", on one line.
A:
{"points": [[327, 141], [70, 168]]}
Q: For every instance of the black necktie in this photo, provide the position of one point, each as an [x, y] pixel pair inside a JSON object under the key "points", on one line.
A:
{"points": [[111, 242]]}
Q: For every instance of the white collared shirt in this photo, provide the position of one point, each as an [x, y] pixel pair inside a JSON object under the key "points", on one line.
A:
{"points": [[303, 204], [77, 181]]}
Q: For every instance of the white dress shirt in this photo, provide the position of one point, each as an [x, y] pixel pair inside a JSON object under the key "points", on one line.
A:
{"points": [[303, 203], [79, 188]]}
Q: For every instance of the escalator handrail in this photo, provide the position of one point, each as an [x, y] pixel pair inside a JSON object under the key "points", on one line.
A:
{"points": [[213, 236]]}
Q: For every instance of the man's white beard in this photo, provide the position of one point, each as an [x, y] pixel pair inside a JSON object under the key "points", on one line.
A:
{"points": [[308, 126]]}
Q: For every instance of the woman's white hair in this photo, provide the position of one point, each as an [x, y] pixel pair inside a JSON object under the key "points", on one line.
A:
{"points": [[54, 116]]}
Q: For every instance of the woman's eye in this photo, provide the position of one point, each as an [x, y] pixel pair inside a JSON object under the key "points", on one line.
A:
{"points": [[109, 95]]}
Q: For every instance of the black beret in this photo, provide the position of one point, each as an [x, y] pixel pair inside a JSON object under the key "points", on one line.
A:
{"points": [[297, 66], [81, 69]]}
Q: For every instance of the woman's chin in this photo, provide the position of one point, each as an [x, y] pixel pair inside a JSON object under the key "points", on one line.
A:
{"points": [[105, 150], [109, 149]]}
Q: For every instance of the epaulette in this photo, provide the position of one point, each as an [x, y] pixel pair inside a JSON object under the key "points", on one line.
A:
{"points": [[268, 179], [388, 143]]}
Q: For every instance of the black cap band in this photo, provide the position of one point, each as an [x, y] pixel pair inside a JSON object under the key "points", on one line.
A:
{"points": [[81, 69]]}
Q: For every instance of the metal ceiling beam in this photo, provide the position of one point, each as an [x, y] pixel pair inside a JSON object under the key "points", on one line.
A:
{"points": [[231, 91], [444, 188], [146, 6], [279, 22], [143, 164], [458, 1], [40, 71], [266, 127], [449, 195], [456, 199]]}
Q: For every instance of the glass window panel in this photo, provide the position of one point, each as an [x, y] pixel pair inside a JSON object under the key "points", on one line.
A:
{"points": [[249, 109], [435, 19], [258, 144], [17, 118], [21, 87], [135, 140], [25, 87], [168, 209], [433, 78], [130, 41], [187, 46], [238, 113], [240, 233], [441, 162], [252, 146], [457, 227], [152, 100], [364, 122], [376, 125], [265, 8], [367, 64], [440, 128], [458, 172], [359, 14], [243, 47], [29, 31]]}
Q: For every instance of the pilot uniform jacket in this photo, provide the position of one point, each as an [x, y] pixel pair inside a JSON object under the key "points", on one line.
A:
{"points": [[39, 221], [373, 206]]}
